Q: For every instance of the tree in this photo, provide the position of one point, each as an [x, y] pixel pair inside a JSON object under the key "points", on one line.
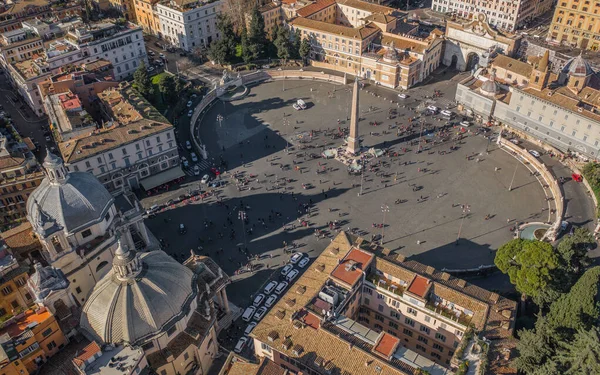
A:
{"points": [[528, 263], [142, 81], [296, 42], [304, 50], [282, 43], [218, 52], [166, 86], [573, 252], [256, 34], [246, 55], [535, 347], [179, 86], [582, 355]]}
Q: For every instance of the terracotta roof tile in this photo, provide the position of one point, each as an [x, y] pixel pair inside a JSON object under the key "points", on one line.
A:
{"points": [[315, 7], [87, 353], [350, 32]]}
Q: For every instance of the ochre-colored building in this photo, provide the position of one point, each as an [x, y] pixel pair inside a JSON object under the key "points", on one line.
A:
{"points": [[147, 16], [34, 337], [576, 23]]}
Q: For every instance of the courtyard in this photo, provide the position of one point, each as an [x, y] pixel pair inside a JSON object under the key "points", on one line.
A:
{"points": [[446, 208]]}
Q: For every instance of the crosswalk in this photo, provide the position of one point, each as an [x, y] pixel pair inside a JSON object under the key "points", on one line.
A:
{"points": [[203, 164]]}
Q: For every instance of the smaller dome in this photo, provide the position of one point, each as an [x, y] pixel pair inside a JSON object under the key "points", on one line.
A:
{"points": [[490, 87], [391, 54], [578, 66], [51, 159]]}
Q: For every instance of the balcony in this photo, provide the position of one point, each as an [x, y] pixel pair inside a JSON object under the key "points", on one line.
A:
{"points": [[383, 283], [453, 315]]}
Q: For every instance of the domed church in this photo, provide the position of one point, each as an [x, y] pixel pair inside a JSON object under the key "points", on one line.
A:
{"points": [[149, 300], [75, 219]]}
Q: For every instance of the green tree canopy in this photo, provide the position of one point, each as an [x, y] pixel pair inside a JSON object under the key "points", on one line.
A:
{"points": [[582, 355], [565, 341], [528, 263], [167, 88], [246, 56], [282, 43], [256, 34], [142, 81], [304, 50], [222, 51]]}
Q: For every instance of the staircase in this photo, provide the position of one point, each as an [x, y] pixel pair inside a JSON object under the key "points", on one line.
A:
{"points": [[226, 320]]}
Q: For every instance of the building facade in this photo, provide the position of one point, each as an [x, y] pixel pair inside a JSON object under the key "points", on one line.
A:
{"points": [[189, 24], [471, 43], [576, 24], [557, 109], [20, 174], [33, 336], [146, 15], [12, 14], [368, 40], [122, 45], [15, 297], [504, 15], [356, 310], [146, 154]]}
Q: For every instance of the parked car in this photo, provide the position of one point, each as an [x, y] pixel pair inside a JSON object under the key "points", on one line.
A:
{"points": [[465, 124], [194, 157], [302, 263], [196, 170], [189, 104], [248, 313], [534, 153], [432, 108], [299, 105], [285, 270], [161, 55], [215, 171], [182, 229], [515, 141], [296, 258], [217, 183], [258, 299], [188, 145], [190, 112], [184, 162], [281, 287], [241, 344], [402, 96], [271, 300], [151, 53], [249, 328], [150, 69], [205, 179], [270, 286], [260, 313], [447, 113], [292, 275]]}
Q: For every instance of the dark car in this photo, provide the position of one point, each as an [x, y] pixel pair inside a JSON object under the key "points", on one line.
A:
{"points": [[182, 229]]}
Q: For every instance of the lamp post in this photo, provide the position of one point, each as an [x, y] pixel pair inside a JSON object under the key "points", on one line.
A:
{"points": [[465, 211], [219, 119], [385, 209], [513, 177]]}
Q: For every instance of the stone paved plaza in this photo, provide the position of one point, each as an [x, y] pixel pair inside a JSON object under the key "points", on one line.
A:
{"points": [[253, 137]]}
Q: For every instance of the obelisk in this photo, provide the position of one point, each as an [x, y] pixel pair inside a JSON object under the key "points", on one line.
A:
{"points": [[353, 144]]}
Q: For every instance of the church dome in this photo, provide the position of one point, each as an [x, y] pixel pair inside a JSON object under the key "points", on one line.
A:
{"points": [[66, 200], [143, 295], [578, 66]]}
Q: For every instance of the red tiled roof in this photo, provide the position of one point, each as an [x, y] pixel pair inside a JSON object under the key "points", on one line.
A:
{"points": [[350, 270], [419, 286], [312, 320], [386, 345], [313, 8], [87, 353]]}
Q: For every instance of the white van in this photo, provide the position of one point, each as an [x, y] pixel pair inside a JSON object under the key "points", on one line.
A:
{"points": [[248, 314]]}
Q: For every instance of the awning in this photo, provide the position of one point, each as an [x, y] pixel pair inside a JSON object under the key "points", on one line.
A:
{"points": [[161, 178]]}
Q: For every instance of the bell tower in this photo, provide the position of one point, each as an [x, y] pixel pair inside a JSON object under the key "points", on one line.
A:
{"points": [[540, 73]]}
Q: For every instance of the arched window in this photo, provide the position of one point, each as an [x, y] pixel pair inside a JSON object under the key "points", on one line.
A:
{"points": [[101, 266]]}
